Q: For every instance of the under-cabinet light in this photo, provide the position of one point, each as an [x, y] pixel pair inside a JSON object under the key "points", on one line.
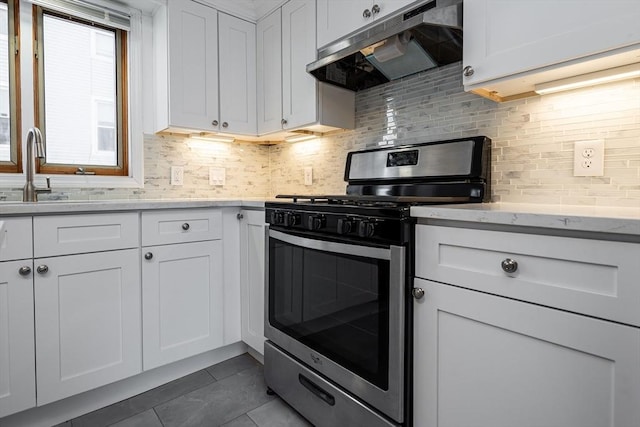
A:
{"points": [[212, 138], [590, 79], [301, 137]]}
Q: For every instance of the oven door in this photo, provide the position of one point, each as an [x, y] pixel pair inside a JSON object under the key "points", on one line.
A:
{"points": [[339, 308]]}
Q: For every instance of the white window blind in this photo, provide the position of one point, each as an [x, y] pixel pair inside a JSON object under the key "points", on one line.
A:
{"points": [[90, 11]]}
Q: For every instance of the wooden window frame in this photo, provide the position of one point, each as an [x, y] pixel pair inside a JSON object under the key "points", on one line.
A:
{"points": [[122, 110], [15, 123]]}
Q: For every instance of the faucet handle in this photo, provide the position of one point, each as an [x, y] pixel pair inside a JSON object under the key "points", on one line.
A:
{"points": [[48, 182]]}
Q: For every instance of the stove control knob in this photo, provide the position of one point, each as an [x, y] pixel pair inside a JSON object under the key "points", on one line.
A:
{"points": [[316, 222], [291, 219], [366, 229], [345, 226], [277, 218]]}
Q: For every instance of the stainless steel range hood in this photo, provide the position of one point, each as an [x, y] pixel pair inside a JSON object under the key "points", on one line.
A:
{"points": [[428, 36]]}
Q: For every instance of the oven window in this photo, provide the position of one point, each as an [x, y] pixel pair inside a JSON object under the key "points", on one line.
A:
{"points": [[336, 304]]}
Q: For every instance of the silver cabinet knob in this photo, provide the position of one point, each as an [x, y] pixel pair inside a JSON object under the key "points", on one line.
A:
{"points": [[366, 14], [186, 226], [42, 269], [375, 9], [417, 293], [24, 271], [148, 256], [468, 71], [239, 216], [214, 123], [225, 124], [283, 122], [509, 265]]}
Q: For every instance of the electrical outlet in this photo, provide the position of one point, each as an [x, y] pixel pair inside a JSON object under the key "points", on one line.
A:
{"points": [[588, 158], [308, 176], [177, 175], [217, 176]]}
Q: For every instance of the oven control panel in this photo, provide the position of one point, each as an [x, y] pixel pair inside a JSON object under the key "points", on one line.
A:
{"points": [[343, 225]]}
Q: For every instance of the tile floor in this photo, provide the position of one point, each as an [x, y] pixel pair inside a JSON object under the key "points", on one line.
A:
{"points": [[229, 394]]}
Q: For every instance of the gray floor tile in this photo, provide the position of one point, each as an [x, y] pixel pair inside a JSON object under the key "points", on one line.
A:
{"points": [[232, 366], [145, 419], [140, 403], [217, 403], [241, 421], [277, 414]]}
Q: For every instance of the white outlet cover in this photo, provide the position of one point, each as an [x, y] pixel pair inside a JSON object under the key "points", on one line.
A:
{"points": [[177, 175], [217, 176], [588, 158]]}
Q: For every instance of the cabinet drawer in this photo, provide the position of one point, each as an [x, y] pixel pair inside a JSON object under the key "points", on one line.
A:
{"points": [[593, 277], [72, 234], [15, 239], [189, 225]]}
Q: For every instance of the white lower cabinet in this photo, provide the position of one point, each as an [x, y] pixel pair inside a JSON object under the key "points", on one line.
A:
{"points": [[484, 360], [17, 362], [182, 301], [87, 315], [252, 277]]}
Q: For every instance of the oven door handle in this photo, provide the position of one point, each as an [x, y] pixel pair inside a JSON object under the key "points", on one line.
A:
{"points": [[326, 246]]}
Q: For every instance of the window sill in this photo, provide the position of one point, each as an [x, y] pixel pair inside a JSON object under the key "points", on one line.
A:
{"points": [[72, 181]]}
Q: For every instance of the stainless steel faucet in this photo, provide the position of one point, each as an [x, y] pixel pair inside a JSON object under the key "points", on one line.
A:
{"points": [[34, 141]]}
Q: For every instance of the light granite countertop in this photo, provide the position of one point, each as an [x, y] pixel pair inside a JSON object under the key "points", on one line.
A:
{"points": [[51, 207], [562, 217]]}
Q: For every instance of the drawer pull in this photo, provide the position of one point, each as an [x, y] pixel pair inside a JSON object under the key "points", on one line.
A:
{"points": [[185, 226], [148, 256], [42, 269], [509, 265], [24, 271], [315, 389], [417, 293]]}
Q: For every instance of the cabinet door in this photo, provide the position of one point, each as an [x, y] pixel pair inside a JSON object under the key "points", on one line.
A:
{"points": [[193, 65], [502, 38], [87, 310], [252, 279], [237, 75], [269, 44], [182, 301], [337, 18], [17, 357], [482, 360], [299, 88]]}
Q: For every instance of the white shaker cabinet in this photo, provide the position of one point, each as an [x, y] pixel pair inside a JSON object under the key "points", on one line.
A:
{"points": [[87, 305], [483, 360], [338, 18], [17, 359], [269, 79], [509, 46], [182, 284], [186, 55], [252, 277], [525, 327], [289, 98], [237, 59]]}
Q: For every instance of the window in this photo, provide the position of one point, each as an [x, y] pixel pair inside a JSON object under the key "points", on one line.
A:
{"points": [[81, 92], [9, 150]]}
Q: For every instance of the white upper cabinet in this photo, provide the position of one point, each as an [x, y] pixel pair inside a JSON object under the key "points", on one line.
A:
{"points": [[237, 58], [338, 18], [509, 46], [298, 49], [289, 97], [269, 54], [186, 49]]}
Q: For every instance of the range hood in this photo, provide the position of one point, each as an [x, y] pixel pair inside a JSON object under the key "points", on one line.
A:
{"points": [[428, 36]]}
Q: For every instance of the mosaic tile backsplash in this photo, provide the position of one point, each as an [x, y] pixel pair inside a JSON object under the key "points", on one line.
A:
{"points": [[532, 146]]}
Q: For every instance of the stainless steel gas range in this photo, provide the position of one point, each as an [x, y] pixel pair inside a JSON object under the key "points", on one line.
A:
{"points": [[338, 312]]}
